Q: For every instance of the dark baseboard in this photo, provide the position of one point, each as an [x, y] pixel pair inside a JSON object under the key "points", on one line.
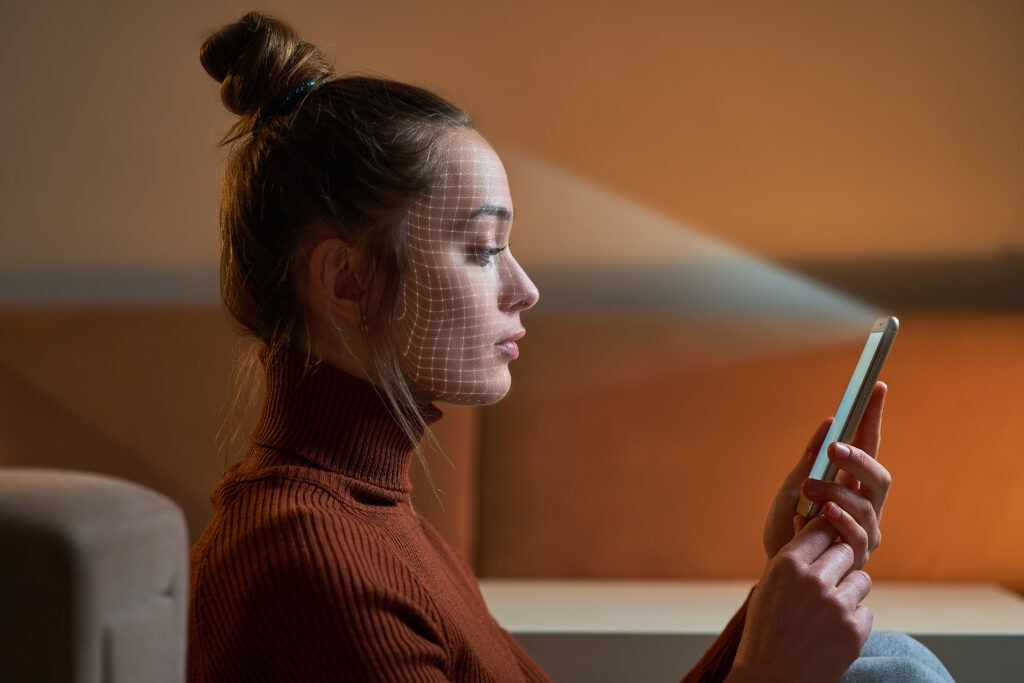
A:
{"points": [[992, 283]]}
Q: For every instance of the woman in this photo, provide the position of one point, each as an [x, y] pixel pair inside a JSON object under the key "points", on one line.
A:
{"points": [[365, 244]]}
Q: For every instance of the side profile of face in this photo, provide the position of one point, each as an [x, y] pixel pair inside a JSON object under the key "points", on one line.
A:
{"points": [[457, 315]]}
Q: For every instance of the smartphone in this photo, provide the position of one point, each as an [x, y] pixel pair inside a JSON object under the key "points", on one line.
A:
{"points": [[854, 401]]}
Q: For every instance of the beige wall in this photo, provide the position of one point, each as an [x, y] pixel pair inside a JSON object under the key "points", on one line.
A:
{"points": [[791, 129]]}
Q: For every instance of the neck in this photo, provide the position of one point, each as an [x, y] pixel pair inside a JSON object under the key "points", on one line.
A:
{"points": [[334, 420]]}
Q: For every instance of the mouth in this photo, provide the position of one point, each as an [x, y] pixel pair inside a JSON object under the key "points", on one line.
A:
{"points": [[509, 346]]}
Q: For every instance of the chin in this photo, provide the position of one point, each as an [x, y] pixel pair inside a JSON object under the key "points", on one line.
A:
{"points": [[478, 393], [485, 399]]}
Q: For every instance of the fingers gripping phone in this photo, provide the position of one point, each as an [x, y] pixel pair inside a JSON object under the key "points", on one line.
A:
{"points": [[854, 401]]}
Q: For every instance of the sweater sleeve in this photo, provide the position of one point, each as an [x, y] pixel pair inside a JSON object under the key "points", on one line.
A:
{"points": [[714, 666]]}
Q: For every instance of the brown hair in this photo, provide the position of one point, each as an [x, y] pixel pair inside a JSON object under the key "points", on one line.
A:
{"points": [[351, 153]]}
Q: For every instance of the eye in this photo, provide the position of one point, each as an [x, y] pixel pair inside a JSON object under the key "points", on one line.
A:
{"points": [[486, 255]]}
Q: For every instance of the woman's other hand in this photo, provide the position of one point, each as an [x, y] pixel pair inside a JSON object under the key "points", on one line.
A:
{"points": [[805, 620]]}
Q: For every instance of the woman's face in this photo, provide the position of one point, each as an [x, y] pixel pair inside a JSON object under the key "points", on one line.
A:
{"points": [[457, 315]]}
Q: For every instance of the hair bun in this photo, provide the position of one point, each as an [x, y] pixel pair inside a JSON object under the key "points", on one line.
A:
{"points": [[256, 59]]}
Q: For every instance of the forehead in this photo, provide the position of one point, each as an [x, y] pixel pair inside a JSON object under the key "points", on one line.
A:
{"points": [[471, 174]]}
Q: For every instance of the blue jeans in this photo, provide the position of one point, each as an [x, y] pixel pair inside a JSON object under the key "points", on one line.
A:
{"points": [[891, 656]]}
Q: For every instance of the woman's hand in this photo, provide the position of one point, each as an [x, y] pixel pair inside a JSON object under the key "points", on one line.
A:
{"points": [[853, 502], [805, 621]]}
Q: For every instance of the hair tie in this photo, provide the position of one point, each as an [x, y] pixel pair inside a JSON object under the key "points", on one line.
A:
{"points": [[285, 103]]}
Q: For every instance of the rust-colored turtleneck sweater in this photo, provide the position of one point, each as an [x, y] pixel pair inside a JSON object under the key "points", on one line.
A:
{"points": [[316, 568]]}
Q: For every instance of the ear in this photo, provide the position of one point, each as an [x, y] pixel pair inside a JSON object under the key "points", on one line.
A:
{"points": [[334, 280]]}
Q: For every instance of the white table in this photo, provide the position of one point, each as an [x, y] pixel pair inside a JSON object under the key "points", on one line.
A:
{"points": [[639, 631]]}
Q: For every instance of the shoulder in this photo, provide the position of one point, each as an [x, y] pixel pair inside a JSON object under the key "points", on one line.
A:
{"points": [[288, 573], [292, 520]]}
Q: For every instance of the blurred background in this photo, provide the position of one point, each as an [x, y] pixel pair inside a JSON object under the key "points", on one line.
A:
{"points": [[804, 132], [715, 198]]}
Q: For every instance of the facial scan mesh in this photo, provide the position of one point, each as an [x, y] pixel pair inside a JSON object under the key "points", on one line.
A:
{"points": [[460, 303]]}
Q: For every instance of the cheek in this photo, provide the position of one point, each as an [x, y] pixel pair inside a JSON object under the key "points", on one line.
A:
{"points": [[446, 306], [450, 304]]}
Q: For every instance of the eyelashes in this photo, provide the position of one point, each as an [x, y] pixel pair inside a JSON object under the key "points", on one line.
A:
{"points": [[485, 256]]}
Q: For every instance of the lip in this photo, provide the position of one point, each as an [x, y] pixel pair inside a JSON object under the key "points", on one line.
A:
{"points": [[509, 345]]}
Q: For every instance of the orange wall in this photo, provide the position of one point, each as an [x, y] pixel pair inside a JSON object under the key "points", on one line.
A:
{"points": [[792, 130], [629, 446], [149, 394], [667, 470]]}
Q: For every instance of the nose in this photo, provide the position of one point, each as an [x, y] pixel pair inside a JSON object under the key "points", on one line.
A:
{"points": [[518, 292]]}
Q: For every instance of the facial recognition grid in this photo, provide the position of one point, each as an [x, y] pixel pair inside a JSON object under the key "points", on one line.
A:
{"points": [[463, 291]]}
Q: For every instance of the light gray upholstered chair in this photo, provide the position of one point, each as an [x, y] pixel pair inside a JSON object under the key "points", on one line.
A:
{"points": [[93, 580]]}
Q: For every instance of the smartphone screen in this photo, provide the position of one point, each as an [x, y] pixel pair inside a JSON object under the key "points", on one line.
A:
{"points": [[854, 401]]}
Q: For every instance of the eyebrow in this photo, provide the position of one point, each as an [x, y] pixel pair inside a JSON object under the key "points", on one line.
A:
{"points": [[499, 212]]}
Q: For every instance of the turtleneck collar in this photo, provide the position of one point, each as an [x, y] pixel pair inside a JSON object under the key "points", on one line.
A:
{"points": [[335, 421]]}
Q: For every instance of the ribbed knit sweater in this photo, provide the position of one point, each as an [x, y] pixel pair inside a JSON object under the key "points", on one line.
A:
{"points": [[315, 566]]}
